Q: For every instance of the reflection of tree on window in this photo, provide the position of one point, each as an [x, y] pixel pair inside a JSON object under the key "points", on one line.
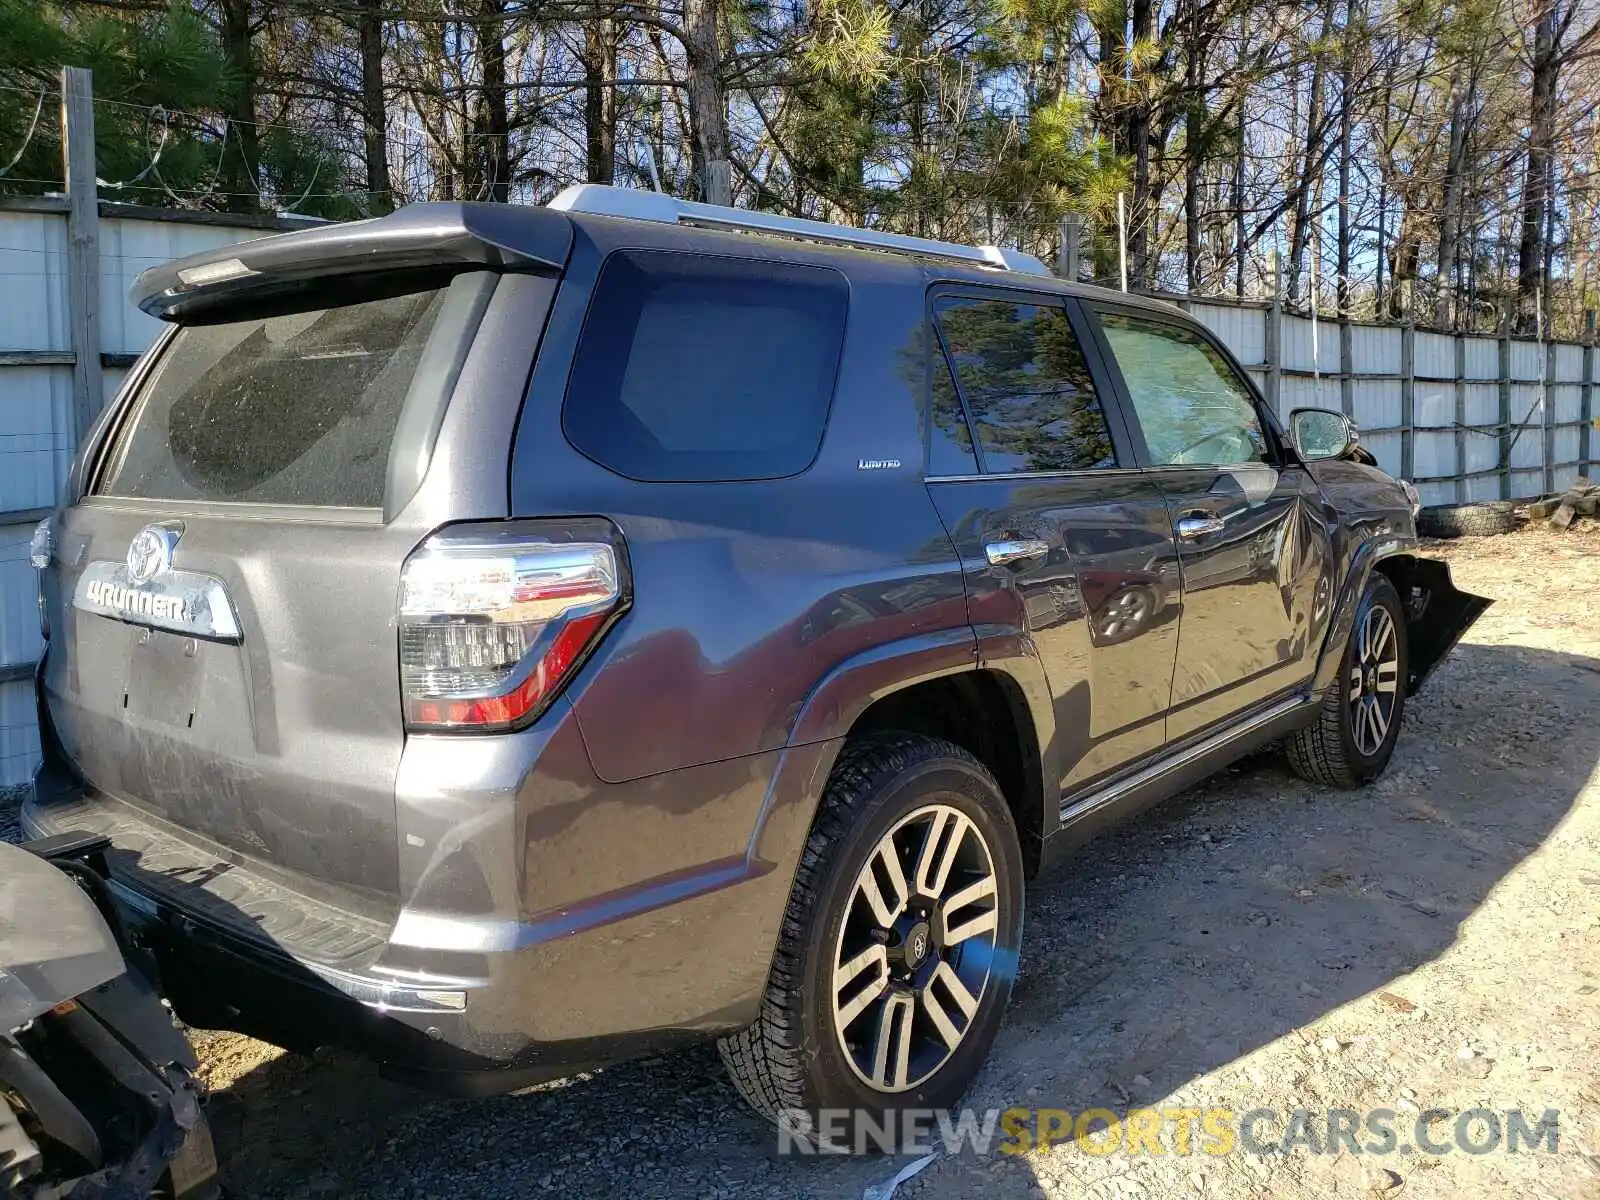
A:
{"points": [[1026, 385], [950, 441], [947, 414]]}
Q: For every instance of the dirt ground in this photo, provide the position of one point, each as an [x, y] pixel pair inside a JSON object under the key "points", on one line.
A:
{"points": [[1430, 942]]}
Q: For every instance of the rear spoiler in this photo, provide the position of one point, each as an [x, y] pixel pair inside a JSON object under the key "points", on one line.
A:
{"points": [[421, 239]]}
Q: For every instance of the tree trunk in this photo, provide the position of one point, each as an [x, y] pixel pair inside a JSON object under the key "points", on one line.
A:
{"points": [[494, 124], [1383, 247], [1352, 18], [241, 162], [1450, 207], [1241, 225], [1139, 123], [1536, 182], [1307, 188], [374, 115], [600, 96], [1194, 150], [708, 107], [1403, 260], [1191, 213]]}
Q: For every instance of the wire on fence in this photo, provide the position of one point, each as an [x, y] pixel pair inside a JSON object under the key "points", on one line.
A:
{"points": [[27, 138]]}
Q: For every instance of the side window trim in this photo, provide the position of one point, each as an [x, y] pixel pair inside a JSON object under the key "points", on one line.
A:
{"points": [[1113, 371], [1125, 435], [939, 349], [1128, 452]]}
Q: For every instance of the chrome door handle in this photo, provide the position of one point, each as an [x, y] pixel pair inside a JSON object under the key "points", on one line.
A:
{"points": [[1190, 528], [1015, 550]]}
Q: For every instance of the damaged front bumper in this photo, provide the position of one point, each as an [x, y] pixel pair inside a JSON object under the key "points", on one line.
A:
{"points": [[1437, 614]]}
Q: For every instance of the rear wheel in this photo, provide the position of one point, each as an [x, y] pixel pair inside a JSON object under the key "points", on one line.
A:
{"points": [[899, 945], [1354, 736]]}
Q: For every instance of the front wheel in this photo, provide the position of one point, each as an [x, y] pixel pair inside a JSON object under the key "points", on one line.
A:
{"points": [[1354, 736], [898, 948]]}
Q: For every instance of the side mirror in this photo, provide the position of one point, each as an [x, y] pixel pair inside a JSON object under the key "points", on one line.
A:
{"points": [[1322, 433]]}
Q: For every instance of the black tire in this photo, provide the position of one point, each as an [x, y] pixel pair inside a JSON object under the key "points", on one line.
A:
{"points": [[791, 1061], [1327, 751], [1467, 520]]}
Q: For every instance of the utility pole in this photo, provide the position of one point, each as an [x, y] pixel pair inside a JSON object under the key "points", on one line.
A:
{"points": [[1122, 241], [1067, 257]]}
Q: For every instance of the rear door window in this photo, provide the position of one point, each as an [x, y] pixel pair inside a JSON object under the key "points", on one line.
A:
{"points": [[691, 367], [292, 409], [1027, 387]]}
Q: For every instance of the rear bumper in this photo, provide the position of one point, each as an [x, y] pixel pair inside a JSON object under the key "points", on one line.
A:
{"points": [[509, 960], [218, 975]]}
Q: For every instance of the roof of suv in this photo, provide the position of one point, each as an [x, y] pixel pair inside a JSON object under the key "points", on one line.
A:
{"points": [[453, 234]]}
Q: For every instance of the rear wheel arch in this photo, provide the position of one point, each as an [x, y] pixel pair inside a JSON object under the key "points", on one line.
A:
{"points": [[986, 712]]}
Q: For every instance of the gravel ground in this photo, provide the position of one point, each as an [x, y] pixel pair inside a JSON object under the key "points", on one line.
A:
{"points": [[10, 797], [1430, 941]]}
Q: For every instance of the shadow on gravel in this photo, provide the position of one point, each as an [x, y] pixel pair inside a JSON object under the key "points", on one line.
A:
{"points": [[1245, 909]]}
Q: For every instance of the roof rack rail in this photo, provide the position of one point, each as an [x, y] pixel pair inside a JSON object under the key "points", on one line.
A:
{"points": [[604, 200]]}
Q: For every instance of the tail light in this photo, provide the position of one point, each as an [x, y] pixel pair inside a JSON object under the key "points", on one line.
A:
{"points": [[495, 619]]}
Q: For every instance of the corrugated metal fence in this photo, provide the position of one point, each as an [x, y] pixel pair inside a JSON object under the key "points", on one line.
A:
{"points": [[37, 420], [1468, 418]]}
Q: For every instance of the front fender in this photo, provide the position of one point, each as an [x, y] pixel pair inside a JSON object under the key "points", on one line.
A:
{"points": [[1437, 612], [1363, 559]]}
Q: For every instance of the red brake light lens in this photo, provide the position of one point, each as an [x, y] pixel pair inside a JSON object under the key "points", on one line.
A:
{"points": [[492, 625]]}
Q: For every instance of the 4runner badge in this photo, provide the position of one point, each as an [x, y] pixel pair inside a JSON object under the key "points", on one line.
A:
{"points": [[146, 589]]}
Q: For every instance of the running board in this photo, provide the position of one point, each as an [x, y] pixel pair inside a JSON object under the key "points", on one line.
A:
{"points": [[1074, 809]]}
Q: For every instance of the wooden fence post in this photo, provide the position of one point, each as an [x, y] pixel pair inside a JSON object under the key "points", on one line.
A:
{"points": [[1408, 383], [83, 246], [1067, 255], [1586, 400], [1274, 332]]}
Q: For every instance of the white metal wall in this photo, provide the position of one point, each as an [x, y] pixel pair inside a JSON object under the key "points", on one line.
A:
{"points": [[1451, 443], [36, 413]]}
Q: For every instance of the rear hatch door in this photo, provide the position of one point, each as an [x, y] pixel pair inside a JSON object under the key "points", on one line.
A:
{"points": [[222, 600]]}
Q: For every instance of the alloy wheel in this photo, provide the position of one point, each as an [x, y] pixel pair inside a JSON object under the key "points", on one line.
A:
{"points": [[916, 948], [1374, 680]]}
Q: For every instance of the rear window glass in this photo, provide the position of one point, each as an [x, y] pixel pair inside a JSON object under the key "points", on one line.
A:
{"points": [[1027, 387], [294, 409], [698, 368]]}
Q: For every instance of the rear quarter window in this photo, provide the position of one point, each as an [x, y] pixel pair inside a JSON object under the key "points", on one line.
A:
{"points": [[696, 368], [298, 408]]}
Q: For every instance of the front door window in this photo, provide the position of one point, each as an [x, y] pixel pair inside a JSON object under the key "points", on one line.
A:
{"points": [[1191, 407]]}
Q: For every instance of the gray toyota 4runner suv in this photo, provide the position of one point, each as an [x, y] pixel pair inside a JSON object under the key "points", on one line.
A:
{"points": [[505, 640]]}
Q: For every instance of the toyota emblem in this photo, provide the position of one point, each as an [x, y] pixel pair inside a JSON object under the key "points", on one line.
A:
{"points": [[150, 552]]}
